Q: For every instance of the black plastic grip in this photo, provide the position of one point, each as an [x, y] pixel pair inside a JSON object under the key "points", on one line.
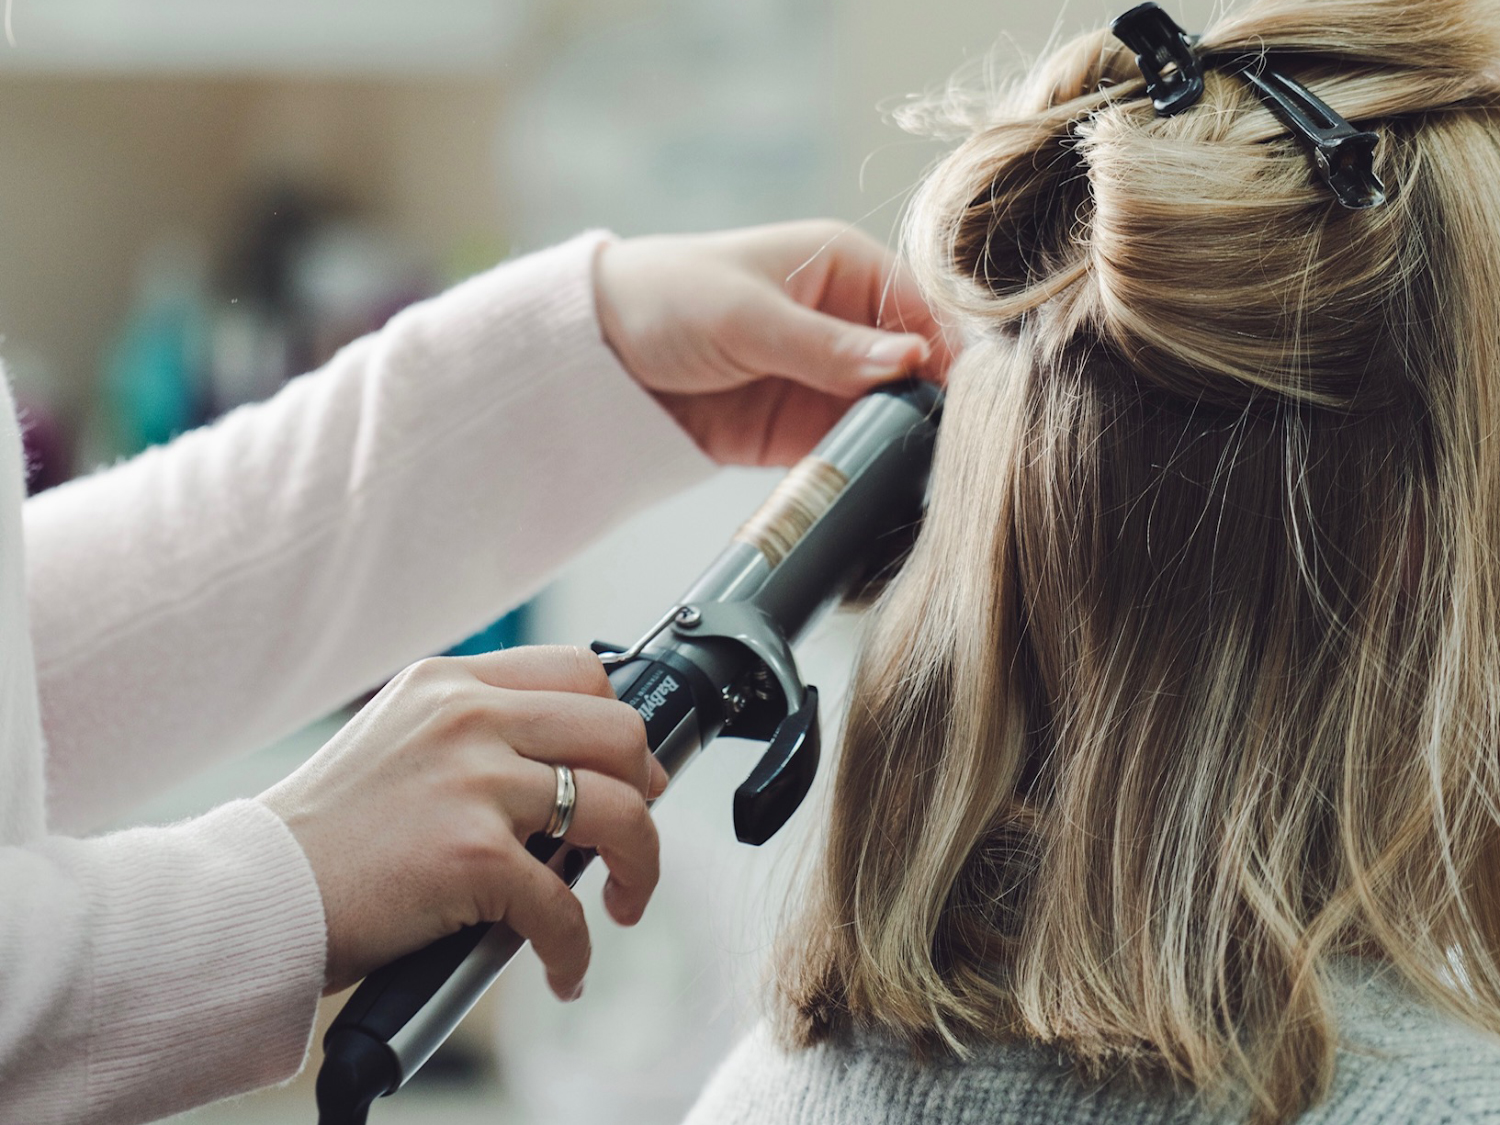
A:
{"points": [[357, 1069]]}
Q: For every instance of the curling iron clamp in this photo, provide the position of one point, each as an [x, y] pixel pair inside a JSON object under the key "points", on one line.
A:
{"points": [[718, 662]]}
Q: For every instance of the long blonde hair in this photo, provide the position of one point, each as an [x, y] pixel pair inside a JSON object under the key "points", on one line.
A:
{"points": [[1191, 684]]}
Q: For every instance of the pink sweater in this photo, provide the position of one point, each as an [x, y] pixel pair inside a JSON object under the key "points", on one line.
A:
{"points": [[215, 594]]}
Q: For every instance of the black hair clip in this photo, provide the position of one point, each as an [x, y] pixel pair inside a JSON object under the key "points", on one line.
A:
{"points": [[1344, 155], [1164, 52], [1173, 70]]}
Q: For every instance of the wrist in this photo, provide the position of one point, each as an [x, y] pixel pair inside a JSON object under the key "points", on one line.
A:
{"points": [[606, 309]]}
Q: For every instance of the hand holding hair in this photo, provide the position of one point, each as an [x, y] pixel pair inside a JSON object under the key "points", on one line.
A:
{"points": [[757, 340]]}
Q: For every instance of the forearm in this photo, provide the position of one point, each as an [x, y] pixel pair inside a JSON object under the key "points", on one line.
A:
{"points": [[216, 593], [154, 970]]}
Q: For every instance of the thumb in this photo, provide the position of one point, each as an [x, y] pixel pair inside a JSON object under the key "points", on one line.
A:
{"points": [[829, 354]]}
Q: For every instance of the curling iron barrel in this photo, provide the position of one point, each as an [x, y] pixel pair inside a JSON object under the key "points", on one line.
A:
{"points": [[720, 661]]}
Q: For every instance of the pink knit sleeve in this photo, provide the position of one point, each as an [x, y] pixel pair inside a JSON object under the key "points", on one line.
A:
{"points": [[153, 970], [214, 594]]}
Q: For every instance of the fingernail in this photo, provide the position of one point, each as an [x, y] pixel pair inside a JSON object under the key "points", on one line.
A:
{"points": [[659, 778], [576, 993], [891, 355]]}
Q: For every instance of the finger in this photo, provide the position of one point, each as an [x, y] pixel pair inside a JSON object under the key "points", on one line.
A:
{"points": [[856, 278], [541, 668], [612, 818], [890, 300], [849, 275], [534, 902], [581, 731], [837, 357], [905, 306]]}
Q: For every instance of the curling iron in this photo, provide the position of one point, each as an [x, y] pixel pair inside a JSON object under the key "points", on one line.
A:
{"points": [[718, 662]]}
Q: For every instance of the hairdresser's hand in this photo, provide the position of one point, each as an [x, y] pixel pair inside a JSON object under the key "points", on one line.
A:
{"points": [[414, 816], [757, 340]]}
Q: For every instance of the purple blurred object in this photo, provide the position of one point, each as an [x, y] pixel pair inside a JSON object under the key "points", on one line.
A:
{"points": [[48, 448]]}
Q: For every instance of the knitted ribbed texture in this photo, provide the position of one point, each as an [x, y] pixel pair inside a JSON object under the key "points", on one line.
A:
{"points": [[187, 967], [1401, 1064], [219, 592]]}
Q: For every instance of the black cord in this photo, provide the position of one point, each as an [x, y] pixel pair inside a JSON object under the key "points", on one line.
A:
{"points": [[356, 1070]]}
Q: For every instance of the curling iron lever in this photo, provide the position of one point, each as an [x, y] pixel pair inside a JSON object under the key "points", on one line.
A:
{"points": [[720, 661], [775, 788], [784, 775]]}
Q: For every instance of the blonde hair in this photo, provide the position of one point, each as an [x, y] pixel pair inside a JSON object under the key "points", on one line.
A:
{"points": [[1191, 683]]}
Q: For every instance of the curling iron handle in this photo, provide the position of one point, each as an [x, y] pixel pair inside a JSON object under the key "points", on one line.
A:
{"points": [[415, 1042], [406, 1009], [413, 1004]]}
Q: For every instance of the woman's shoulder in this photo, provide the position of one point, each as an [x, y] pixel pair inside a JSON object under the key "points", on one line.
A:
{"points": [[1400, 1059], [1400, 1063], [865, 1079]]}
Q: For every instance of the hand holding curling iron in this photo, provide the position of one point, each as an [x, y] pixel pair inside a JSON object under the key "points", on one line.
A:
{"points": [[454, 761]]}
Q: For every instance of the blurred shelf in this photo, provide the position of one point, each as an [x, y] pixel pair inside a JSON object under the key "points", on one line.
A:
{"points": [[372, 38]]}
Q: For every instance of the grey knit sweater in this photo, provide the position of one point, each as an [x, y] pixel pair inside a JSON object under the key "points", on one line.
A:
{"points": [[1400, 1062]]}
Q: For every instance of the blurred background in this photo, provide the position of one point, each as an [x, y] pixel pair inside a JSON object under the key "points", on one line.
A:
{"points": [[202, 198]]}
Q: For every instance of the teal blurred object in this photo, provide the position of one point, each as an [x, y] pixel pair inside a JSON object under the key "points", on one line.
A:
{"points": [[154, 373], [508, 632]]}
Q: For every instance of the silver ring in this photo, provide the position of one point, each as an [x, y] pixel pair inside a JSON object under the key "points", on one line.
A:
{"points": [[562, 804]]}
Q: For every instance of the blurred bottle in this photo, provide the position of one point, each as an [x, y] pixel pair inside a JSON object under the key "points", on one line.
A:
{"points": [[154, 374]]}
